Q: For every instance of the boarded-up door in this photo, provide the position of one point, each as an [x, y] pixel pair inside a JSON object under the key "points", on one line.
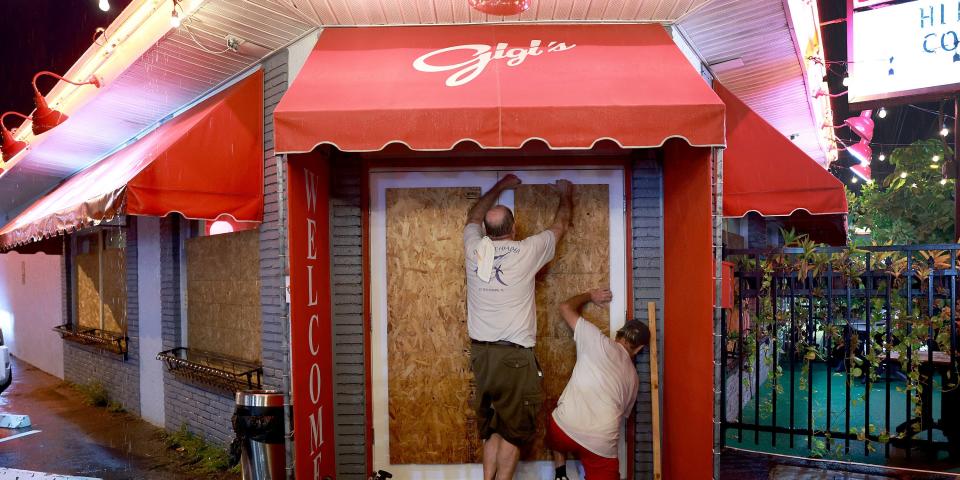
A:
{"points": [[419, 306]]}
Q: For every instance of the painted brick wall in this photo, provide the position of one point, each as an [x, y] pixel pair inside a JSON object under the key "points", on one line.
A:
{"points": [[647, 223], [273, 237], [85, 365], [349, 393]]}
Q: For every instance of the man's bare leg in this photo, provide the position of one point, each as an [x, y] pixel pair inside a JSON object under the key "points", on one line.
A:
{"points": [[507, 458], [490, 448]]}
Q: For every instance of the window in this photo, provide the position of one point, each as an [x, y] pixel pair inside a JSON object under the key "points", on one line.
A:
{"points": [[101, 280]]}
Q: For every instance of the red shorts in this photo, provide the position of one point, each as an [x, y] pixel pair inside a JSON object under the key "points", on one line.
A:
{"points": [[595, 467]]}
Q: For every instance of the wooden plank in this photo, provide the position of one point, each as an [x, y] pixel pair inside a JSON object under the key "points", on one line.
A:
{"points": [[582, 262], [223, 294], [430, 382], [654, 388]]}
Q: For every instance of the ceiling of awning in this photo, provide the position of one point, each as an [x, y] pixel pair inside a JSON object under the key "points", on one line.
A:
{"points": [[172, 73], [771, 77], [431, 12]]}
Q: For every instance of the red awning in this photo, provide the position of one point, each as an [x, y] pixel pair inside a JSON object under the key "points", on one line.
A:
{"points": [[498, 86], [765, 172], [203, 163]]}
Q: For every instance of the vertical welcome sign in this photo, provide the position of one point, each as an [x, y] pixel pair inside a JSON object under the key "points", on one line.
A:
{"points": [[311, 339]]}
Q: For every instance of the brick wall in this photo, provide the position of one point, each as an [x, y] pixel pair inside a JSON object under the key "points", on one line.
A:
{"points": [[647, 223], [85, 365], [349, 389]]}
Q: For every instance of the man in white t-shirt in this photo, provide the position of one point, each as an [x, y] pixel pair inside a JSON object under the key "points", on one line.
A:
{"points": [[600, 393], [502, 323]]}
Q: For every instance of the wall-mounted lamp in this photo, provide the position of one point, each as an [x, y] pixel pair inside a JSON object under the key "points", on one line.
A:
{"points": [[44, 117], [862, 125], [11, 147]]}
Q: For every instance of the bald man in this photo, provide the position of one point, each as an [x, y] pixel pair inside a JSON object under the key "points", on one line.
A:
{"points": [[502, 323]]}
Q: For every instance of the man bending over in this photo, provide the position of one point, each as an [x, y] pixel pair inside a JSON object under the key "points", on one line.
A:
{"points": [[502, 322], [600, 393]]}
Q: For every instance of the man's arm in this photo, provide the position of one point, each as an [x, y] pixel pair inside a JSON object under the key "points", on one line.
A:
{"points": [[570, 309], [561, 220], [486, 202]]}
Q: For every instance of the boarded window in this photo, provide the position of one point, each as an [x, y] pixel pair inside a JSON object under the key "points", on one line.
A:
{"points": [[223, 294], [101, 280]]}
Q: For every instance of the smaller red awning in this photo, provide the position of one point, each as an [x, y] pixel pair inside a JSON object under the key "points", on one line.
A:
{"points": [[498, 86], [765, 172], [204, 163]]}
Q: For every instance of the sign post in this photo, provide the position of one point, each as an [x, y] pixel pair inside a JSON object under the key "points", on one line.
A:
{"points": [[311, 336]]}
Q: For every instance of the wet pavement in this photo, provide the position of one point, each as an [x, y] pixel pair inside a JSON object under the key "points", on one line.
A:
{"points": [[737, 464], [76, 439]]}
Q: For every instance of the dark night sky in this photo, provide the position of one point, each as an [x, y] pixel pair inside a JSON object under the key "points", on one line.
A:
{"points": [[903, 124], [40, 35]]}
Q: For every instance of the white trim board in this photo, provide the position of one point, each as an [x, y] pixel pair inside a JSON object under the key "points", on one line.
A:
{"points": [[434, 177]]}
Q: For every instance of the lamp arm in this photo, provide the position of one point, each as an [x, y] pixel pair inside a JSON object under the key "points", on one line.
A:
{"points": [[18, 114], [93, 80]]}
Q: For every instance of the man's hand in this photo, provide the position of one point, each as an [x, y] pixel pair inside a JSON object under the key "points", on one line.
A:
{"points": [[570, 309], [479, 209], [600, 296], [509, 181]]}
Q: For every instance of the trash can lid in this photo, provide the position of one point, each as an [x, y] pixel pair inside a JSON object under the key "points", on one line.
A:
{"points": [[260, 398]]}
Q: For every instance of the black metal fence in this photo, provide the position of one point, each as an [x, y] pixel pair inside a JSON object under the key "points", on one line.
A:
{"points": [[837, 351]]}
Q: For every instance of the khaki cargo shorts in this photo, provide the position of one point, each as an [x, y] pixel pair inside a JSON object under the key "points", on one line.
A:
{"points": [[509, 391]]}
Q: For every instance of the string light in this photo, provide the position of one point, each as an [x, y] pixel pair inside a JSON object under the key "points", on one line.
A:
{"points": [[882, 113], [882, 157], [903, 175], [935, 159], [853, 179], [944, 132], [105, 5], [943, 182], [846, 81]]}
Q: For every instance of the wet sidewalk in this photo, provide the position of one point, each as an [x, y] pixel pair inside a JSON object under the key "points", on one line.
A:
{"points": [[76, 439]]}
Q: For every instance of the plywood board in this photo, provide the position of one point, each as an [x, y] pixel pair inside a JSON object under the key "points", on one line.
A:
{"points": [[88, 285], [582, 262], [223, 294], [114, 294], [429, 378], [430, 382]]}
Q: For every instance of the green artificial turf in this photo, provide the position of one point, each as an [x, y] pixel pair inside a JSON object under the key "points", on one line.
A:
{"points": [[841, 403]]}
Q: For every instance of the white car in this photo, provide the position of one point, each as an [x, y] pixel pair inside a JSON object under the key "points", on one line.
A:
{"points": [[6, 370]]}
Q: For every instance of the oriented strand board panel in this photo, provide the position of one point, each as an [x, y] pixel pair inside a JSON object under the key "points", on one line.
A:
{"points": [[114, 294], [430, 381], [223, 294], [582, 262], [88, 295]]}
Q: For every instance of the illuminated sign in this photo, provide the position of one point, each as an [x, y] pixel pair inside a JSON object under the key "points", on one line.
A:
{"points": [[905, 50]]}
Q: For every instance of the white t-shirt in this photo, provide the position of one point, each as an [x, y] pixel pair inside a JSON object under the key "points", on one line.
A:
{"points": [[600, 393], [504, 307]]}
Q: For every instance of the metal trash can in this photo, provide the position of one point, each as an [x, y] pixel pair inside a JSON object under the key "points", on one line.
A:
{"points": [[258, 424]]}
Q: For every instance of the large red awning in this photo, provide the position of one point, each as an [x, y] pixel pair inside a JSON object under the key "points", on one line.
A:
{"points": [[497, 86], [765, 172], [204, 163]]}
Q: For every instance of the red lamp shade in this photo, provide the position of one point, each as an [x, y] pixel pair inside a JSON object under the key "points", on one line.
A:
{"points": [[503, 8], [862, 171], [862, 125], [44, 117], [861, 151], [10, 147]]}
